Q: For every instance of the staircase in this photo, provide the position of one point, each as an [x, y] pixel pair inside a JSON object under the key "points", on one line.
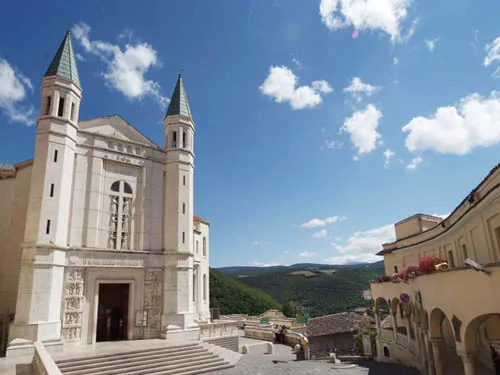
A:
{"points": [[182, 359]]}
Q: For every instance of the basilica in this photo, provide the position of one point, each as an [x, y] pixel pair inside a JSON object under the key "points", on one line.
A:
{"points": [[98, 239]]}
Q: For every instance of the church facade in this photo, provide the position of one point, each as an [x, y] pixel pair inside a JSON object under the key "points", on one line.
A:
{"points": [[98, 237]]}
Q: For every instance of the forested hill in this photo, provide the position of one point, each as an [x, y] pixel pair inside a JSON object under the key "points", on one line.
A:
{"points": [[234, 297], [313, 288]]}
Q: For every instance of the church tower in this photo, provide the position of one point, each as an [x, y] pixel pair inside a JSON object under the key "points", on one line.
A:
{"points": [[178, 311], [38, 310]]}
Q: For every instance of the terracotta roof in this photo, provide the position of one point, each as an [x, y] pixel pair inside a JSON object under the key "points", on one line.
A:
{"points": [[334, 324], [200, 219], [8, 170]]}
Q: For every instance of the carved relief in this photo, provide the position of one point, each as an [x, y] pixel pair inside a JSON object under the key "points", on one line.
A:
{"points": [[73, 303], [152, 302]]}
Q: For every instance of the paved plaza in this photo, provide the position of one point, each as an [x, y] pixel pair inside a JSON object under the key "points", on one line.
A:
{"points": [[283, 362]]}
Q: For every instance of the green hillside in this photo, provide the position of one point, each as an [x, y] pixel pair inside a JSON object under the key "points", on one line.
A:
{"points": [[313, 290], [234, 297]]}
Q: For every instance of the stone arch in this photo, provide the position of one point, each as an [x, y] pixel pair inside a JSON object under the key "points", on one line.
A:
{"points": [[480, 334], [381, 303], [441, 331]]}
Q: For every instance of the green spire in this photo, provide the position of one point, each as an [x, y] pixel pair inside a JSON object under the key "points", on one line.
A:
{"points": [[64, 63], [179, 102]]}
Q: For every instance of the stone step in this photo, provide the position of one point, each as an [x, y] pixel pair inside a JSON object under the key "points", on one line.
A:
{"points": [[195, 367], [111, 364], [132, 353], [175, 369], [118, 358], [188, 359]]}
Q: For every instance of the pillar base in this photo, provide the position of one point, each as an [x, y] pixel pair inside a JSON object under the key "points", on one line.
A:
{"points": [[40, 331]]}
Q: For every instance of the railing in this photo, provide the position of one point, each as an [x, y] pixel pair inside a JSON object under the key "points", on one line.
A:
{"points": [[42, 363], [387, 334], [218, 329]]}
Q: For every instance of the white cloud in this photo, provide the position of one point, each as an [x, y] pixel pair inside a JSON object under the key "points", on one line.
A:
{"points": [[79, 57], [493, 55], [474, 122], [385, 15], [258, 243], [388, 154], [322, 233], [362, 127], [281, 84], [431, 44], [358, 88], [307, 254], [264, 264], [297, 63], [14, 87], [362, 246], [125, 69], [395, 61], [343, 218], [415, 162], [331, 145], [320, 222]]}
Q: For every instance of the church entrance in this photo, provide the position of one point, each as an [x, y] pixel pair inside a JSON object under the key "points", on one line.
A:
{"points": [[112, 312]]}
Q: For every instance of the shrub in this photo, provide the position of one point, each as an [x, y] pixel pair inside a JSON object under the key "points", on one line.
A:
{"points": [[383, 279]]}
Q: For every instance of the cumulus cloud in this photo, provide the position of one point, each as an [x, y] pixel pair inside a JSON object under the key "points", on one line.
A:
{"points": [[362, 128], [388, 155], [362, 246], [331, 145], [414, 163], [320, 222], [387, 16], [281, 84], [431, 44], [322, 233], [14, 89], [358, 88], [473, 122], [493, 55], [125, 68], [265, 264], [307, 254], [395, 61]]}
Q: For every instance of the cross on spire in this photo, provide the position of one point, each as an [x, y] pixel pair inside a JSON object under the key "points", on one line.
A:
{"points": [[181, 69]]}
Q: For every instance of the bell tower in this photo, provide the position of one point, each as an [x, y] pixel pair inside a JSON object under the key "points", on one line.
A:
{"points": [[178, 311], [38, 309]]}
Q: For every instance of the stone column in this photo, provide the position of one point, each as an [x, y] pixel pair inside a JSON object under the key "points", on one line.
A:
{"points": [[468, 360], [436, 350], [377, 325]]}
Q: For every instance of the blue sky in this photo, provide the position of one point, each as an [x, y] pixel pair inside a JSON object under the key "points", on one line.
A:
{"points": [[318, 123]]}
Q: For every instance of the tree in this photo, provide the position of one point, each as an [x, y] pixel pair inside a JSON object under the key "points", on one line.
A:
{"points": [[288, 310]]}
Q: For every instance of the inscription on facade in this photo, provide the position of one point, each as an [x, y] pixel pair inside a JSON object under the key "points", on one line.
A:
{"points": [[74, 281]]}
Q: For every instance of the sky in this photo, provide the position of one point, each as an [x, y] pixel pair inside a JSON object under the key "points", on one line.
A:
{"points": [[319, 124]]}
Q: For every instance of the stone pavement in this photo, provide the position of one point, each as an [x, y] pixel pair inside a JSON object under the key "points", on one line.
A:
{"points": [[258, 363]]}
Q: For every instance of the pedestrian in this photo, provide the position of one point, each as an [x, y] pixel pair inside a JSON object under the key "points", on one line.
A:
{"points": [[283, 334], [277, 336]]}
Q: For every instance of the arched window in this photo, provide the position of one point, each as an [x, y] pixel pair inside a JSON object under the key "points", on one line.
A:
{"points": [[121, 196], [386, 352], [204, 246], [204, 287]]}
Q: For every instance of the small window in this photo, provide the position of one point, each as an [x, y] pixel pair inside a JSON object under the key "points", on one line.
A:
{"points": [[126, 188], [184, 208], [386, 352], [451, 261], [184, 140], [464, 251], [51, 190], [396, 269], [55, 156], [174, 139], [183, 237], [197, 247], [184, 180], [73, 112], [47, 230], [204, 246], [204, 287], [49, 102], [115, 186], [60, 111]]}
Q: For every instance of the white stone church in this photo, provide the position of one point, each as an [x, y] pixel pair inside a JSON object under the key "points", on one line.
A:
{"points": [[98, 240]]}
